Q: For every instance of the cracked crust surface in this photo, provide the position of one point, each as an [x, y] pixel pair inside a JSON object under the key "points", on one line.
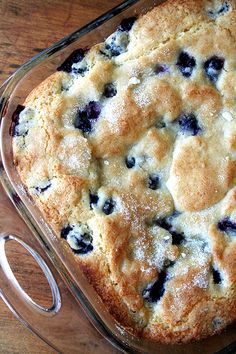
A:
{"points": [[196, 173]]}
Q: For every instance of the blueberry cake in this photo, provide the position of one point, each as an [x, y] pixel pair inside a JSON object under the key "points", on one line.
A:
{"points": [[129, 151]]}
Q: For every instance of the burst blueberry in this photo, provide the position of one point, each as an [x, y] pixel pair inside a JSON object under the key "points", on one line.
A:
{"points": [[86, 117], [153, 181], [186, 63], [213, 68], [109, 90], [130, 161], [227, 225], [108, 206], [188, 124], [154, 291], [116, 44], [75, 57], [80, 243], [15, 121], [127, 24]]}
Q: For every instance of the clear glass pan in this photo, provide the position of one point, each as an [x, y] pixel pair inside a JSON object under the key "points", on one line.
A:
{"points": [[16, 90]]}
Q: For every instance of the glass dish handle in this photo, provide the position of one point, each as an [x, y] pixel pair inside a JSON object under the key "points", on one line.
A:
{"points": [[10, 289], [65, 314]]}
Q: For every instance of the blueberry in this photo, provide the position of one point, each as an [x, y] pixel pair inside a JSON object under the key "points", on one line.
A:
{"points": [[213, 67], [109, 90], [220, 11], [227, 225], [80, 243], [154, 291], [186, 64], [82, 122], [116, 44], [224, 8], [84, 244], [177, 237], [161, 69], [44, 186], [130, 161], [165, 223], [75, 57], [93, 109], [114, 49], [108, 206], [65, 231], [85, 118], [216, 276], [111, 50], [153, 181], [79, 70], [127, 24], [93, 200], [188, 124], [15, 121]]}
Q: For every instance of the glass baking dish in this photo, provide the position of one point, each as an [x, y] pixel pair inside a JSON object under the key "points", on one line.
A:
{"points": [[43, 321]]}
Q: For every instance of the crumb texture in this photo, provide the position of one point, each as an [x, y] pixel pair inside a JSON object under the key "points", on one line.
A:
{"points": [[129, 151]]}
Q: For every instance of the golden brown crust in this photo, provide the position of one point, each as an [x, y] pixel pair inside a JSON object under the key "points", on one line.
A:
{"points": [[167, 229], [209, 175]]}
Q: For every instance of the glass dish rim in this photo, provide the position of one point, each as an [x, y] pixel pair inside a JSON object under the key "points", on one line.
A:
{"points": [[7, 88]]}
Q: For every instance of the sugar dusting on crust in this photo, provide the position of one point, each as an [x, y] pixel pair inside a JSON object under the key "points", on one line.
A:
{"points": [[74, 155], [130, 212], [113, 113], [141, 97], [201, 279], [149, 245]]}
